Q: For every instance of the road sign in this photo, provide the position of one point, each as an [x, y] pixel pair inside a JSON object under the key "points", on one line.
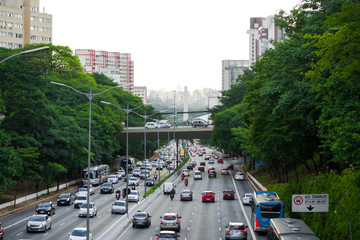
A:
{"points": [[310, 202]]}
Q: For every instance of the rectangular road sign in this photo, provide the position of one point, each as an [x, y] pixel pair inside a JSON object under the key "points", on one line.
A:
{"points": [[310, 202]]}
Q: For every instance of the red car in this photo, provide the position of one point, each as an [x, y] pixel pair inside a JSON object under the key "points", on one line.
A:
{"points": [[229, 194], [208, 196]]}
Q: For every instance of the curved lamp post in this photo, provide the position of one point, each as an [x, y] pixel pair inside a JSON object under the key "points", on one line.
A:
{"points": [[26, 52], [90, 96]]}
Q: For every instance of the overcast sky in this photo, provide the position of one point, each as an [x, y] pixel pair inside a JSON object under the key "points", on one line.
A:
{"points": [[173, 43]]}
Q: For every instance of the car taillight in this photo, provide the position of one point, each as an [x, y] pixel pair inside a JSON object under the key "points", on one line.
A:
{"points": [[177, 221], [133, 219], [233, 194], [161, 222], [229, 230], [257, 223], [146, 219], [181, 195], [244, 230]]}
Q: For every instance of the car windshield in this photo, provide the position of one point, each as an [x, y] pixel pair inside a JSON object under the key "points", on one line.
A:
{"points": [[167, 235], [140, 215], [84, 205], [248, 195], [133, 193], [228, 191], [133, 179], [45, 204], [169, 217], [64, 195], [107, 185], [119, 204], [208, 193], [81, 198], [149, 179], [112, 176], [236, 227], [186, 191], [37, 218], [78, 233]]}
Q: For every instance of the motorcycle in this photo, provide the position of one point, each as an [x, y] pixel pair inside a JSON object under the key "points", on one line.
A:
{"points": [[117, 195], [155, 176], [182, 177], [186, 182], [171, 196]]}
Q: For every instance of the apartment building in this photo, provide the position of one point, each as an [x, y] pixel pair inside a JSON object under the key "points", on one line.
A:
{"points": [[115, 65], [21, 23], [141, 92], [231, 69], [261, 33]]}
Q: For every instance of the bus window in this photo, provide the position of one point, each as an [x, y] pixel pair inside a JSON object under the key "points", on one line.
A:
{"points": [[270, 211]]}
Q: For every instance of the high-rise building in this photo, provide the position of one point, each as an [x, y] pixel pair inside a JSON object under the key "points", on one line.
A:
{"points": [[115, 65], [231, 69], [262, 31], [141, 92], [21, 23]]}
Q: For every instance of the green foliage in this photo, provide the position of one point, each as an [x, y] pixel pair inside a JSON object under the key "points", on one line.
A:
{"points": [[341, 188]]}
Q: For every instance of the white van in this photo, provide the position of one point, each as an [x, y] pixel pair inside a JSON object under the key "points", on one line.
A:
{"points": [[167, 187], [164, 124]]}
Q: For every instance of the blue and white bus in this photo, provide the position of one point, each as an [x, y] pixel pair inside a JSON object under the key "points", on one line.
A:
{"points": [[264, 206], [98, 174]]}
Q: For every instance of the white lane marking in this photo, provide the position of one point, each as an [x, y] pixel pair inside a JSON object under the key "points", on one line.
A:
{"points": [[62, 224], [19, 233], [11, 225]]}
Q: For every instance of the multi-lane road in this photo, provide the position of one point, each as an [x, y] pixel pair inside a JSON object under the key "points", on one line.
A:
{"points": [[199, 220]]}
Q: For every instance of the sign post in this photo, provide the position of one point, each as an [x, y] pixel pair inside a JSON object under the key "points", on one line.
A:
{"points": [[310, 202]]}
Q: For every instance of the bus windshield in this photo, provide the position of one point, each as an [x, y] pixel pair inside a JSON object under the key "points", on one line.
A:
{"points": [[270, 210]]}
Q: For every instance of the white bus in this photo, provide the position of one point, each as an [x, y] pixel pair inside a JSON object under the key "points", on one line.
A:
{"points": [[98, 174]]}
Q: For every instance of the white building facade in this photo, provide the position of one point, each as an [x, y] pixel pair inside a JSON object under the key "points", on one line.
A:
{"points": [[231, 69]]}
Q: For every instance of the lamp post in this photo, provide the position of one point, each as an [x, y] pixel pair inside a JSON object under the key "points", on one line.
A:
{"points": [[90, 96], [127, 110], [26, 52]]}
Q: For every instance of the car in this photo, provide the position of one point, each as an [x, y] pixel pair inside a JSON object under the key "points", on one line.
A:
{"points": [[118, 174], [133, 180], [38, 223], [247, 198], [229, 194], [81, 190], [148, 167], [185, 172], [212, 173], [159, 166], [118, 207], [207, 157], [199, 123], [211, 161], [79, 200], [189, 167], [151, 125], [45, 208], [186, 195], [141, 219], [107, 188], [220, 160], [136, 172], [150, 181], [139, 163], [91, 189], [133, 196], [202, 163], [121, 172], [200, 154], [79, 233], [164, 124], [225, 171], [168, 187], [113, 179], [65, 199], [83, 210], [230, 166], [208, 196], [201, 168], [236, 230], [239, 176], [144, 174], [211, 168], [197, 175], [1, 231], [170, 221], [172, 235]]}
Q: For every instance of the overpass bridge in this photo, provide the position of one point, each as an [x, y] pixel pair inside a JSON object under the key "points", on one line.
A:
{"points": [[180, 132]]}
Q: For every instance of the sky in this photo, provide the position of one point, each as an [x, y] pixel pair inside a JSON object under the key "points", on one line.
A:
{"points": [[173, 43]]}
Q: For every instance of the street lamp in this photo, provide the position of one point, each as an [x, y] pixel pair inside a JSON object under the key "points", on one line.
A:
{"points": [[127, 110], [26, 52], [90, 96]]}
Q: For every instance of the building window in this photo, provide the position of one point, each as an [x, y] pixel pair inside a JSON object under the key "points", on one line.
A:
{"points": [[18, 35], [47, 20], [18, 15], [3, 13], [2, 44], [17, 25], [10, 35], [33, 37], [10, 45], [34, 9], [10, 14]]}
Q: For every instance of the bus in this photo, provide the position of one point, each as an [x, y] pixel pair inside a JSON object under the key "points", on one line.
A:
{"points": [[289, 228], [98, 174], [264, 206]]}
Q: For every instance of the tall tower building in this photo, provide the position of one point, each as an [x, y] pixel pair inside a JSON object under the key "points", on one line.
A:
{"points": [[231, 69], [115, 65], [186, 105], [21, 23], [261, 32]]}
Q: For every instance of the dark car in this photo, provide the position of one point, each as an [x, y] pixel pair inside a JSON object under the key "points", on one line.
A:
{"points": [[212, 173], [141, 219], [229, 194], [45, 208], [107, 188], [236, 230], [65, 199], [166, 235], [201, 168], [202, 163], [231, 166], [150, 182], [220, 160], [190, 167]]}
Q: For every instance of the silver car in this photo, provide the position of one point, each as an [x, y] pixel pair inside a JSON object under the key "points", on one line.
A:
{"points": [[38, 223], [236, 230], [186, 195], [92, 210], [79, 233], [170, 221], [118, 207]]}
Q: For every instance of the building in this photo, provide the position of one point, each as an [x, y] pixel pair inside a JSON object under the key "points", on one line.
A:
{"points": [[231, 69], [140, 91], [21, 23], [261, 34], [115, 65]]}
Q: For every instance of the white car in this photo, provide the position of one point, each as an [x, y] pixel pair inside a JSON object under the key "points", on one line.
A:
{"points": [[92, 189], [185, 173], [80, 199], [239, 176], [133, 180], [113, 179], [92, 210], [79, 234], [151, 125], [247, 198], [118, 207], [136, 172], [118, 174], [82, 190], [134, 196], [38, 223], [197, 175]]}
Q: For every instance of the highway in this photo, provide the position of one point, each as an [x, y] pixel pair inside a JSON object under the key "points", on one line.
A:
{"points": [[199, 220]]}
